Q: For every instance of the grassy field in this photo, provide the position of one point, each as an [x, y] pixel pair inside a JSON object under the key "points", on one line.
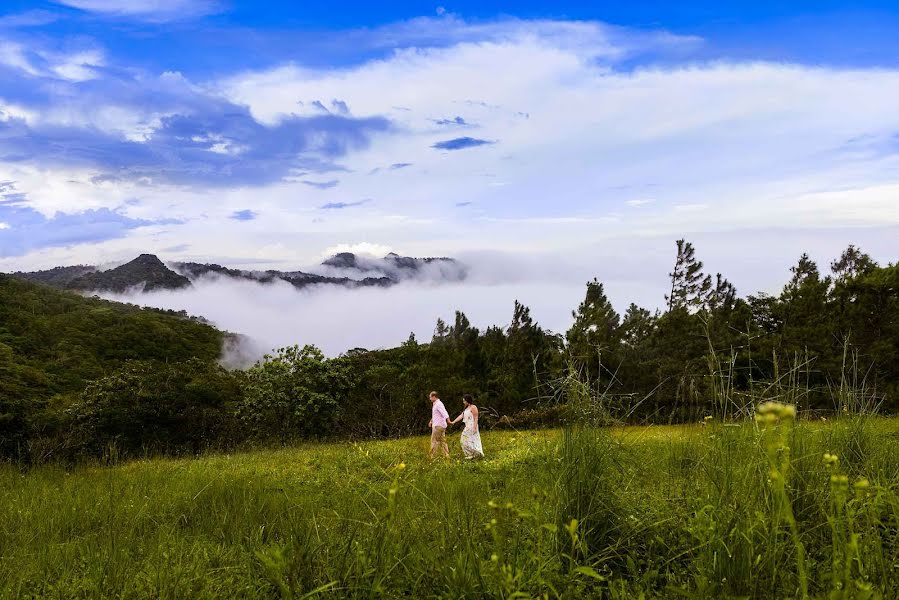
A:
{"points": [[754, 510]]}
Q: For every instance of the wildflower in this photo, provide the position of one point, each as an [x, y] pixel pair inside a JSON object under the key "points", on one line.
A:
{"points": [[839, 480], [862, 484], [401, 466], [769, 407], [766, 418], [831, 459], [494, 557], [772, 411]]}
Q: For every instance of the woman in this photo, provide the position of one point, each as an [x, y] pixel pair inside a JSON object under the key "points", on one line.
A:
{"points": [[471, 437]]}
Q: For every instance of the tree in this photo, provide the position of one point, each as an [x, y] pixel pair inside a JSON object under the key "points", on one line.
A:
{"points": [[594, 333], [169, 407], [689, 286], [852, 263], [525, 361], [441, 332], [721, 296], [852, 266], [296, 393], [807, 319], [637, 325]]}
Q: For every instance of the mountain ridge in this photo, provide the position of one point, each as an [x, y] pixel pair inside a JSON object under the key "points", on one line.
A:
{"points": [[148, 273]]}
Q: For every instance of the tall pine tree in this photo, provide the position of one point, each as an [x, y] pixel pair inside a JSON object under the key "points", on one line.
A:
{"points": [[689, 286], [593, 337]]}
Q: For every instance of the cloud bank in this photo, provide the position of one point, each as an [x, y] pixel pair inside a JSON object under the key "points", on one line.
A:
{"points": [[337, 319], [604, 136]]}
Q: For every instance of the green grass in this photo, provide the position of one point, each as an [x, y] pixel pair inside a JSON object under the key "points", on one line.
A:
{"points": [[668, 512]]}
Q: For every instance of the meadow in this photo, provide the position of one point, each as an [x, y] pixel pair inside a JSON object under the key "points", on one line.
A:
{"points": [[766, 508]]}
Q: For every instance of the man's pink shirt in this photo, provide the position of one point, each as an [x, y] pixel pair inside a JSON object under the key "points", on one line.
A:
{"points": [[439, 416]]}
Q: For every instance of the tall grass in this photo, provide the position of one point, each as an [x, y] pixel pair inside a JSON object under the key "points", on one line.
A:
{"points": [[775, 506]]}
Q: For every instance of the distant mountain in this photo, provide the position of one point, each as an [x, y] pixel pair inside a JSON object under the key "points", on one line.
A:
{"points": [[149, 273], [393, 262], [345, 269], [58, 277], [145, 271], [342, 260], [193, 270]]}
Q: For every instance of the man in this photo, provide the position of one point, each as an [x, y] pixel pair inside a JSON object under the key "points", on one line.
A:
{"points": [[439, 418]]}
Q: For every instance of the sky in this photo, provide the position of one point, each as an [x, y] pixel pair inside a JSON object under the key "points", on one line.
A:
{"points": [[560, 140]]}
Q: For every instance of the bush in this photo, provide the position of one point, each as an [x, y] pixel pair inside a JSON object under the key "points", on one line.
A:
{"points": [[150, 407], [297, 393]]}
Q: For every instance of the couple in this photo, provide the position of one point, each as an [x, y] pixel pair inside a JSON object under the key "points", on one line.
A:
{"points": [[471, 437]]}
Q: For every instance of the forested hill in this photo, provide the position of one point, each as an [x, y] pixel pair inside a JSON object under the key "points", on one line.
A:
{"points": [[54, 342]]}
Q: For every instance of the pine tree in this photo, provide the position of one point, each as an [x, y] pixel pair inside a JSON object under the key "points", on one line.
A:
{"points": [[689, 286], [461, 327], [595, 329], [807, 318], [441, 332], [636, 327], [721, 296], [852, 263], [525, 360], [804, 273]]}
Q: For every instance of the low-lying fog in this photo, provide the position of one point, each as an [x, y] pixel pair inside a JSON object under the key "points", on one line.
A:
{"points": [[336, 319]]}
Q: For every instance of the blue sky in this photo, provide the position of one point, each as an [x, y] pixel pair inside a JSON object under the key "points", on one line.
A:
{"points": [[269, 133]]}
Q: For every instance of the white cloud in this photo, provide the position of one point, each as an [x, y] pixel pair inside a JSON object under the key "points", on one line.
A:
{"points": [[28, 18], [70, 65], [77, 66], [150, 10], [4, 225], [701, 149], [365, 248], [15, 111], [12, 55], [550, 283], [717, 135]]}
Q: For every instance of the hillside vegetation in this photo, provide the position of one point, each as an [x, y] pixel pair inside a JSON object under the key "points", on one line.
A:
{"points": [[86, 376], [52, 343]]}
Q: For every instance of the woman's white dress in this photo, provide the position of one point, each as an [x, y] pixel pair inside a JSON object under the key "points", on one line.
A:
{"points": [[471, 437]]}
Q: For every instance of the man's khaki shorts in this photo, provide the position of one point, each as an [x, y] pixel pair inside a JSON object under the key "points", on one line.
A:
{"points": [[438, 438]]}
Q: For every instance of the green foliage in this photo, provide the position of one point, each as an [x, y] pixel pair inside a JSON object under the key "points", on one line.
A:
{"points": [[689, 285], [296, 393], [53, 343], [157, 408], [596, 330]]}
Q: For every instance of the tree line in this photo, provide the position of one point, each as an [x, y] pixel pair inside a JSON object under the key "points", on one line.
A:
{"points": [[86, 377]]}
